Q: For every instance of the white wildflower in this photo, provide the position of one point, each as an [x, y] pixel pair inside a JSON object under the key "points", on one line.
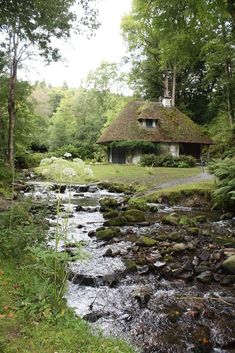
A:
{"points": [[67, 155], [69, 172], [45, 161], [44, 171], [53, 159], [89, 172], [79, 162]]}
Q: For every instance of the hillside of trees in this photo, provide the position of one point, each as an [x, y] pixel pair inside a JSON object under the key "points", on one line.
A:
{"points": [[188, 46]]}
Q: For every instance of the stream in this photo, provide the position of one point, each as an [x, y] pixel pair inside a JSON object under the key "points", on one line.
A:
{"points": [[169, 297]]}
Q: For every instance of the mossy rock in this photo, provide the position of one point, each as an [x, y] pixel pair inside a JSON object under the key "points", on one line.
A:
{"points": [[193, 230], [134, 216], [185, 221], [116, 221], [107, 233], [108, 203], [110, 214], [229, 264], [174, 236], [143, 240], [130, 265], [200, 219], [138, 204], [170, 220]]}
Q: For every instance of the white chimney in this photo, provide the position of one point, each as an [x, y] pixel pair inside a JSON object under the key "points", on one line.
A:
{"points": [[167, 102]]}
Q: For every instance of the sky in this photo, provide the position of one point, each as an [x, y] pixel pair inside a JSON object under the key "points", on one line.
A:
{"points": [[81, 55]]}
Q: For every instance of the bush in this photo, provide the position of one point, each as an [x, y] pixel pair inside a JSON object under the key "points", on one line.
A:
{"points": [[224, 170], [167, 160]]}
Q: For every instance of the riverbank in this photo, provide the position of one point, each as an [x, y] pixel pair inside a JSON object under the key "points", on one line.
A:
{"points": [[32, 316], [154, 275], [134, 296]]}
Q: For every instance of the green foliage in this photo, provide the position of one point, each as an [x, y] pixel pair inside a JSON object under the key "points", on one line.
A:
{"points": [[166, 35], [167, 160], [20, 230], [143, 146], [60, 169], [222, 135], [224, 170]]}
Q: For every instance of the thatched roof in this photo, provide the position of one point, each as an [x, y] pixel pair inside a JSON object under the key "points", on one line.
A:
{"points": [[172, 125]]}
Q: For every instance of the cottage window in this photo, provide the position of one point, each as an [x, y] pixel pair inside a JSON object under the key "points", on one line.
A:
{"points": [[150, 123]]}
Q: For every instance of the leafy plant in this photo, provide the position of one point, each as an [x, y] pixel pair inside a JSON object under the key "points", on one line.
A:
{"points": [[224, 170], [142, 145], [167, 160]]}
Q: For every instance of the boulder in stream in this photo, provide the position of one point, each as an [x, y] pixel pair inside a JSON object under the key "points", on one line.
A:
{"points": [[171, 220], [229, 264], [107, 233], [108, 203], [134, 216]]}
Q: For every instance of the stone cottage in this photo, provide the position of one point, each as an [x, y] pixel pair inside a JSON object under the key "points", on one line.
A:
{"points": [[142, 124]]}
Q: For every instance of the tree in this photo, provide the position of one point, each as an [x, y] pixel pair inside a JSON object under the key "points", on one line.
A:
{"points": [[83, 113], [31, 24], [190, 44]]}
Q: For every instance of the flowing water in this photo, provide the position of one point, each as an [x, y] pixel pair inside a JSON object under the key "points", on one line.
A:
{"points": [[155, 311]]}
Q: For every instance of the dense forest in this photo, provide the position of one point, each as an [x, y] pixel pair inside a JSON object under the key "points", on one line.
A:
{"points": [[187, 46]]}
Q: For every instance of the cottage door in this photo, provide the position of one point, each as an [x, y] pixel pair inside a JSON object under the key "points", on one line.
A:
{"points": [[119, 155]]}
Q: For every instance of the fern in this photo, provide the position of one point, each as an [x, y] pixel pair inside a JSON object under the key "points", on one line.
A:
{"points": [[224, 170]]}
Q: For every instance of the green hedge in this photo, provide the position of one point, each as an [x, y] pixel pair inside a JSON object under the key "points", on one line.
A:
{"points": [[167, 160]]}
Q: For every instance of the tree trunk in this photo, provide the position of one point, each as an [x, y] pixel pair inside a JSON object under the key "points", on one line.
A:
{"points": [[2, 140], [166, 84], [174, 86], [11, 102], [230, 107], [231, 8]]}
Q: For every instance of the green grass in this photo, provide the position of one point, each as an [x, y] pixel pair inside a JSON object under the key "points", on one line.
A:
{"points": [[182, 190], [63, 334], [141, 177], [34, 317]]}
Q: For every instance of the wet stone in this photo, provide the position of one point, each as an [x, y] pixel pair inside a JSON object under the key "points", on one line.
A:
{"points": [[142, 295], [95, 316], [96, 281], [202, 340], [229, 264], [205, 277], [83, 188], [179, 247], [204, 255], [193, 230], [170, 220]]}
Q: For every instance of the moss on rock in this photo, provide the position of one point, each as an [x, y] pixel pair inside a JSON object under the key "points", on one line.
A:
{"points": [[105, 234], [171, 220], [116, 221], [229, 264], [110, 214], [134, 216], [108, 203], [143, 240]]}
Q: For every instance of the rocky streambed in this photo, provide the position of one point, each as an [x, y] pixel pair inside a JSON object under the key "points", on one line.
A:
{"points": [[158, 276]]}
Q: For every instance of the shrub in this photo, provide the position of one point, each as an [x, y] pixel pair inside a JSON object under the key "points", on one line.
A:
{"points": [[148, 160], [167, 160]]}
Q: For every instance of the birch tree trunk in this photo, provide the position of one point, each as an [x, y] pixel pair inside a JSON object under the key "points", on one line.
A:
{"points": [[11, 99], [166, 84], [228, 68], [174, 85]]}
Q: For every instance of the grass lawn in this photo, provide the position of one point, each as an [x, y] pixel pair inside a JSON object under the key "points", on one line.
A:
{"points": [[142, 177], [176, 192]]}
